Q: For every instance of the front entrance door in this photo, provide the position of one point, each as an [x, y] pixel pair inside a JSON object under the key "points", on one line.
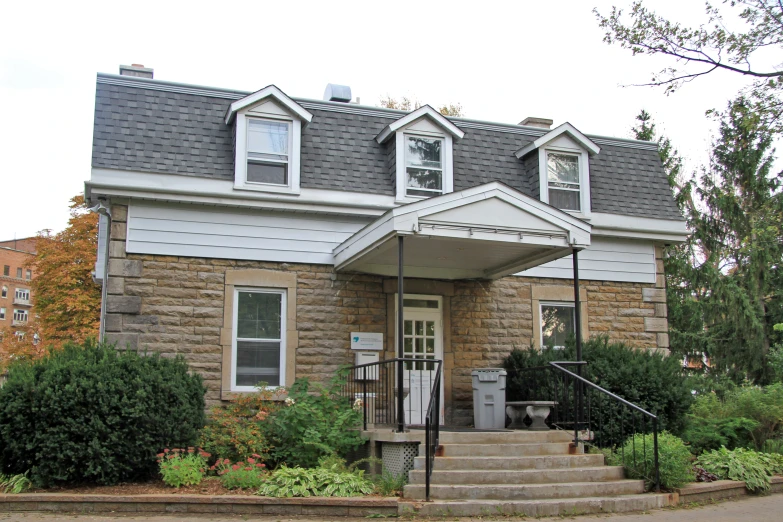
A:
{"points": [[422, 339]]}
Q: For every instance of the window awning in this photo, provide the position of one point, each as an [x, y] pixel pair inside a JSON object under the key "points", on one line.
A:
{"points": [[485, 232]]}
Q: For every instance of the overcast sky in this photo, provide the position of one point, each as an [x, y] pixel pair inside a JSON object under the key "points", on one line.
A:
{"points": [[502, 61]]}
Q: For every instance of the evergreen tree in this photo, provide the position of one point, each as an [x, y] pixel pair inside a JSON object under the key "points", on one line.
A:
{"points": [[724, 285]]}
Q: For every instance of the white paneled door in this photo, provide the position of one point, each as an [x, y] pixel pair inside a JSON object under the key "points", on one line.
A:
{"points": [[423, 341]]}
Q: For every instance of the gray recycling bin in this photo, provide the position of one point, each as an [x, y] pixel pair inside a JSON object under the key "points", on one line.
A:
{"points": [[489, 398]]}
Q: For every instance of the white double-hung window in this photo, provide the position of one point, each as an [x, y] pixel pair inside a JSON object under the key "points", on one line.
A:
{"points": [[20, 316], [563, 181], [423, 166], [22, 294], [268, 145], [259, 338]]}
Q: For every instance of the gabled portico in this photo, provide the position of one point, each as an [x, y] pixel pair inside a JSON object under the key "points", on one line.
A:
{"points": [[485, 232]]}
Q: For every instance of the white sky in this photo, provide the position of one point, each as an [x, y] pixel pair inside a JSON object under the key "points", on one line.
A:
{"points": [[502, 61]]}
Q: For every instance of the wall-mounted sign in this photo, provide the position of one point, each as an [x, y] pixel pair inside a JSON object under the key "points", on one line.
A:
{"points": [[366, 341]]}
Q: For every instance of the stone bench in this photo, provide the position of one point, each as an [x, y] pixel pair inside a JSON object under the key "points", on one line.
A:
{"points": [[538, 411]]}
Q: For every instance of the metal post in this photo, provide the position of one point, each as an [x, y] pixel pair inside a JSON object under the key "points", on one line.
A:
{"points": [[400, 352], [364, 396], [578, 327]]}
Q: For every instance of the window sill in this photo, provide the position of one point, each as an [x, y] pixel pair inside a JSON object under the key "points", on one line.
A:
{"points": [[235, 394], [267, 188]]}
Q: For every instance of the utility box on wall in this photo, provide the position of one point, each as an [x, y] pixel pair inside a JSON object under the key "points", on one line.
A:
{"points": [[370, 373]]}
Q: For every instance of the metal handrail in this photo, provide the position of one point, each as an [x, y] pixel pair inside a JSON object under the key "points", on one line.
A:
{"points": [[577, 403], [432, 430]]}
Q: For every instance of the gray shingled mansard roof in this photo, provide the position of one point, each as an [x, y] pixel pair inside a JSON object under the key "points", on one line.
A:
{"points": [[154, 126]]}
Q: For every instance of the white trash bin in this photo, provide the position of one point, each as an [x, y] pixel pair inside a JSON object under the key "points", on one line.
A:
{"points": [[489, 398]]}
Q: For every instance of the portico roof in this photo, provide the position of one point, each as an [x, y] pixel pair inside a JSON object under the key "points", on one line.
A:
{"points": [[484, 232]]}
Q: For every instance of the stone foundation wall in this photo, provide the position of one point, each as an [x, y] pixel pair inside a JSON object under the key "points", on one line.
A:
{"points": [[175, 305]]}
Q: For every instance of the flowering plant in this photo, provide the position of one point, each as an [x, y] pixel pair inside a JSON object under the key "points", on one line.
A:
{"points": [[182, 467], [241, 475]]}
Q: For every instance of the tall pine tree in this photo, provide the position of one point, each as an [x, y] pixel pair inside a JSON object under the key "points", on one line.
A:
{"points": [[725, 284]]}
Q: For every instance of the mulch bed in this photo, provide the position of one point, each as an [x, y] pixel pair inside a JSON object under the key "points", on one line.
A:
{"points": [[209, 486]]}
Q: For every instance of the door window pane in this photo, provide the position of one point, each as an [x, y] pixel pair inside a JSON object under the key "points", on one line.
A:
{"points": [[557, 325]]}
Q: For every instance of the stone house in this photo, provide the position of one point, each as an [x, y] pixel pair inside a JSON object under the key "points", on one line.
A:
{"points": [[259, 235]]}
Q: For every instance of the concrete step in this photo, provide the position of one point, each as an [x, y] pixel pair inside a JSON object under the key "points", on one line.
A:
{"points": [[511, 463], [525, 491], [506, 437], [535, 508], [517, 477], [505, 450]]}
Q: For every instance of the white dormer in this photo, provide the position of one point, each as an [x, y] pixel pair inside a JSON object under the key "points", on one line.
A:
{"points": [[564, 168], [268, 141], [423, 154]]}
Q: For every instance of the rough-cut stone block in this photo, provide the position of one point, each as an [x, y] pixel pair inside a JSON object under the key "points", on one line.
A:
{"points": [[117, 249], [119, 212], [118, 230], [116, 285], [655, 324], [123, 340], [113, 323], [125, 268], [123, 304], [653, 295]]}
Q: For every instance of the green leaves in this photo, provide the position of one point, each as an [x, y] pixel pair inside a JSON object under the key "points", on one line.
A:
{"points": [[748, 466], [14, 483], [180, 468], [674, 460], [90, 413], [315, 482]]}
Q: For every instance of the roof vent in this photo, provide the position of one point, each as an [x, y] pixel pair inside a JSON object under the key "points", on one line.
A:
{"points": [[136, 69], [531, 121], [337, 93]]}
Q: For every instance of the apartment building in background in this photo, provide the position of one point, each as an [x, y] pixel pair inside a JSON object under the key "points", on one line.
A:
{"points": [[16, 297]]}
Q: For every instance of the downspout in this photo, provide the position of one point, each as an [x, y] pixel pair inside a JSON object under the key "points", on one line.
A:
{"points": [[104, 224], [400, 333]]}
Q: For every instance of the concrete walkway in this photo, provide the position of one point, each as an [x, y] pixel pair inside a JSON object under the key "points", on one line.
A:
{"points": [[755, 509]]}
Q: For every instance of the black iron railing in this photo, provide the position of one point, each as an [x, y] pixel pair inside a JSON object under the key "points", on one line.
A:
{"points": [[376, 384], [432, 428], [597, 417]]}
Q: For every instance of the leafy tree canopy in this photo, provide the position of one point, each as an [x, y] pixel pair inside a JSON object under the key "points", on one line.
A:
{"points": [[67, 301], [697, 52], [406, 104]]}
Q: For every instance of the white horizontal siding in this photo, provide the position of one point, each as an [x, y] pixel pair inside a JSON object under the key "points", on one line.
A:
{"points": [[195, 231], [605, 260]]}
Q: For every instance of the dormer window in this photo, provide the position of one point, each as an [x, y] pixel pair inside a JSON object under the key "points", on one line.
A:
{"points": [[563, 180], [423, 166], [421, 154], [268, 143], [563, 168]]}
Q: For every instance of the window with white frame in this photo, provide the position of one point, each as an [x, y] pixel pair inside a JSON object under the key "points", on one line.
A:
{"points": [[558, 323], [5, 292], [20, 315], [267, 151], [22, 294], [2, 314], [19, 273], [28, 274], [259, 338], [563, 180], [423, 166]]}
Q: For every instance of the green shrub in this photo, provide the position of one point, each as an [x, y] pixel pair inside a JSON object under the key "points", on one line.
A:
{"points": [[182, 467], [710, 434], [14, 483], [91, 413], [240, 429], [649, 380], [330, 479], [674, 460], [751, 467], [311, 426], [247, 474], [761, 407]]}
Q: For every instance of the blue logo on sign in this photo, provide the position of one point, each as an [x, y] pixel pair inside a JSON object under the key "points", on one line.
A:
{"points": [[356, 339]]}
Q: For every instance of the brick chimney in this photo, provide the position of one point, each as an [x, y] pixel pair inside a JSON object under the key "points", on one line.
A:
{"points": [[531, 121], [136, 69]]}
